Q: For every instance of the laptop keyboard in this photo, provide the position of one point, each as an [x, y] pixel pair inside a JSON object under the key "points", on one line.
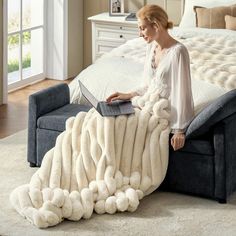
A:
{"points": [[125, 108], [110, 109]]}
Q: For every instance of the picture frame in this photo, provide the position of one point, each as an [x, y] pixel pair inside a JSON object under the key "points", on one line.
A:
{"points": [[116, 8]]}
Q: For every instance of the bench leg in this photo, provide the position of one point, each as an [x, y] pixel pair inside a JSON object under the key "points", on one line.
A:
{"points": [[32, 164], [222, 201]]}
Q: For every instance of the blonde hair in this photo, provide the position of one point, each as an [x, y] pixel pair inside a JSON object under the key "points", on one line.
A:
{"points": [[154, 14]]}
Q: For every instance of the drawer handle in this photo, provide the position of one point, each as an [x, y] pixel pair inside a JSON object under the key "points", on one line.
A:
{"points": [[121, 36], [121, 27]]}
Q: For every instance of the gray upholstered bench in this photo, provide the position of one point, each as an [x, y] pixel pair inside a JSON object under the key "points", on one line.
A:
{"points": [[206, 166], [48, 111]]}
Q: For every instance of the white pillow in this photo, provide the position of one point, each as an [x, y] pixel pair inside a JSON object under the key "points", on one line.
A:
{"points": [[188, 19]]}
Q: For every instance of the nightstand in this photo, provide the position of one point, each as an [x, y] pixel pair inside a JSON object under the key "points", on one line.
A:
{"points": [[109, 32]]}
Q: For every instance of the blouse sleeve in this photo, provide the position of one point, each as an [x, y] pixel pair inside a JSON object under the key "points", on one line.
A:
{"points": [[182, 108]]}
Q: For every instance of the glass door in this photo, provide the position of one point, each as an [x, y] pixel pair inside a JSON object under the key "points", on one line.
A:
{"points": [[25, 42]]}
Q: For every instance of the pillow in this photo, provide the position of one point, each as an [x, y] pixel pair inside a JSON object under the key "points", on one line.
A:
{"points": [[230, 22], [188, 20], [213, 18]]}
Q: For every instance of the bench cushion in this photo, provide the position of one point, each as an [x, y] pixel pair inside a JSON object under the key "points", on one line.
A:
{"points": [[56, 119]]}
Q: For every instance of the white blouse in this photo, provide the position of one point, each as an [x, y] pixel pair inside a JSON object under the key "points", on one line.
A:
{"points": [[173, 80]]}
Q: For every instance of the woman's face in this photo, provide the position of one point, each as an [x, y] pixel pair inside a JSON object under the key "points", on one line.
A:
{"points": [[148, 31]]}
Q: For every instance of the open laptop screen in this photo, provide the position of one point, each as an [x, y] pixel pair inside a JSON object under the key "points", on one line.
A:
{"points": [[88, 95]]}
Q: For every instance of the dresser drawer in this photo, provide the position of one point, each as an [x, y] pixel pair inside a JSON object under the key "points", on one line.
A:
{"points": [[102, 47], [117, 27], [115, 33]]}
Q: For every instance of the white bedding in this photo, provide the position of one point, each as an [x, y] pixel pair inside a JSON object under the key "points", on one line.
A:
{"points": [[122, 68], [191, 32]]}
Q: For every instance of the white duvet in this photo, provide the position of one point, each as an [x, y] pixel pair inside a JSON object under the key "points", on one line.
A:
{"points": [[213, 68]]}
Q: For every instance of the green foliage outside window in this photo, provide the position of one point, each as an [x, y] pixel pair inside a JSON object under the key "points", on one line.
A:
{"points": [[13, 40], [13, 65]]}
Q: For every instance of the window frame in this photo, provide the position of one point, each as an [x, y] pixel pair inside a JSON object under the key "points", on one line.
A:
{"points": [[32, 79]]}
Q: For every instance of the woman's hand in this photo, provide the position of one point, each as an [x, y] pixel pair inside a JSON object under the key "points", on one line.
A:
{"points": [[177, 141], [120, 96]]}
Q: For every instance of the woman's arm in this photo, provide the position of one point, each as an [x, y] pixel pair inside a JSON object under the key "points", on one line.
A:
{"points": [[182, 108]]}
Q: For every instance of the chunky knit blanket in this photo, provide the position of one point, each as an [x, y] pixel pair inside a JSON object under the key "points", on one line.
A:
{"points": [[99, 164], [213, 60]]}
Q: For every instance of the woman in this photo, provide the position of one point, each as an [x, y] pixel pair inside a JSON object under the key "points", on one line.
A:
{"points": [[167, 63]]}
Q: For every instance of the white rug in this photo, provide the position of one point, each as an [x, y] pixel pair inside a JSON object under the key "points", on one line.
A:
{"points": [[160, 213]]}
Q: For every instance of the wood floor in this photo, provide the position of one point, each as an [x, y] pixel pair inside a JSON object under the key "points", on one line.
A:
{"points": [[14, 115]]}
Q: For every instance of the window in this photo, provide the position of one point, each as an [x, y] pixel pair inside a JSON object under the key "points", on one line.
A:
{"points": [[24, 42]]}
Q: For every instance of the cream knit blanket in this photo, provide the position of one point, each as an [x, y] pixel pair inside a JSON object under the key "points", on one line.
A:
{"points": [[99, 164]]}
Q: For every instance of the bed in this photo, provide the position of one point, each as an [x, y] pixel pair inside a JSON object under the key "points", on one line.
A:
{"points": [[206, 165], [212, 53]]}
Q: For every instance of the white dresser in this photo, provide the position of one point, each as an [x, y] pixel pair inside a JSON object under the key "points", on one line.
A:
{"points": [[109, 32]]}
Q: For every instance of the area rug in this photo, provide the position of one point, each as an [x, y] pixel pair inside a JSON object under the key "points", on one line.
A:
{"points": [[161, 213]]}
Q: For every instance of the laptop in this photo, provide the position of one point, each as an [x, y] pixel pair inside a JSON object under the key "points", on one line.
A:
{"points": [[116, 108]]}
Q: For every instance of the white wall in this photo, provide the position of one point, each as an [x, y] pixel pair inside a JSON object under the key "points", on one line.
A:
{"points": [[75, 37], [56, 39], [64, 49]]}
